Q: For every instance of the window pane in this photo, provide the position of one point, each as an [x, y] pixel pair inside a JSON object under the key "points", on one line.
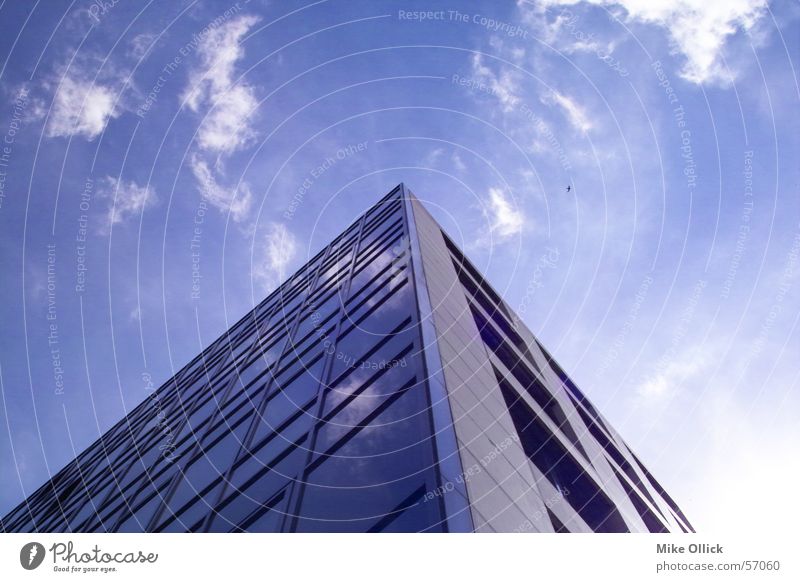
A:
{"points": [[259, 492], [288, 397], [560, 468], [370, 468]]}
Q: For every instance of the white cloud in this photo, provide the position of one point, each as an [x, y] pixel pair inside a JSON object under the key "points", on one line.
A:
{"points": [[128, 200], [458, 162], [433, 157], [504, 86], [229, 104], [81, 107], [505, 218], [279, 248], [575, 114], [236, 202], [140, 45], [698, 29], [676, 369]]}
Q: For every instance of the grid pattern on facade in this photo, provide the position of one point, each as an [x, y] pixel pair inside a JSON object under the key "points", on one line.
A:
{"points": [[314, 405], [350, 400], [544, 427]]}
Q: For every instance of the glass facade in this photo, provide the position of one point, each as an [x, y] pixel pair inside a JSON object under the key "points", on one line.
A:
{"points": [[384, 387]]}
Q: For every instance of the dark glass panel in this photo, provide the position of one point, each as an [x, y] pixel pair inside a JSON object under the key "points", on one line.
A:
{"points": [[558, 527], [238, 420], [463, 263], [292, 393], [660, 491], [190, 517], [388, 254], [604, 441], [269, 518], [318, 313], [371, 241], [87, 508], [650, 520], [214, 460], [269, 448], [137, 522], [407, 516], [560, 468], [386, 378], [365, 351], [369, 468], [527, 379], [256, 368], [259, 491]]}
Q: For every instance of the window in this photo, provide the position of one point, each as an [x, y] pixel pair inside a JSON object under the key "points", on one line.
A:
{"points": [[268, 518], [271, 445], [661, 492], [611, 449], [318, 313], [407, 516], [462, 262], [391, 275], [529, 381], [650, 520], [384, 253], [374, 461], [496, 314], [558, 527], [262, 361], [387, 377], [292, 393], [204, 473], [561, 469], [364, 350], [259, 492], [140, 518]]}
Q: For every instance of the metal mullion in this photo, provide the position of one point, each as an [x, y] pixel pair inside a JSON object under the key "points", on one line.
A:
{"points": [[192, 452], [206, 522], [146, 479], [91, 454], [131, 463], [293, 518], [442, 422]]}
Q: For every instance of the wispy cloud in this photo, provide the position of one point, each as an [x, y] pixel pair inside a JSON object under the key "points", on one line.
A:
{"points": [[504, 84], [437, 155], [677, 369], [128, 200], [575, 114], [229, 104], [698, 29], [458, 163], [237, 202], [227, 107], [279, 248], [140, 45], [80, 107], [433, 157], [505, 219]]}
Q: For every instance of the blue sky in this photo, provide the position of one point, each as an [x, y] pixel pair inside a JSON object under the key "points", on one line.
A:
{"points": [[165, 164]]}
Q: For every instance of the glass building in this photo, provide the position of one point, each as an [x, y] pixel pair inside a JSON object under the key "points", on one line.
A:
{"points": [[385, 386]]}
